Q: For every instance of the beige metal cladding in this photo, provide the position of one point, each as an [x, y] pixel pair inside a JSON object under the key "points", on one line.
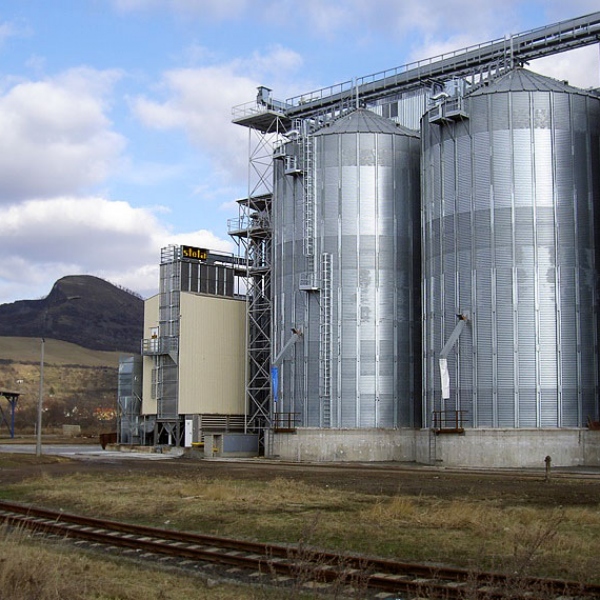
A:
{"points": [[149, 405], [211, 355]]}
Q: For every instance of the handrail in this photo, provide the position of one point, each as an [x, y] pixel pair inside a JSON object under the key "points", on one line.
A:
{"points": [[535, 43], [448, 420], [285, 421]]}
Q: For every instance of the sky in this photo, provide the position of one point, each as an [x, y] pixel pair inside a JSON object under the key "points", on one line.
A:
{"points": [[115, 115]]}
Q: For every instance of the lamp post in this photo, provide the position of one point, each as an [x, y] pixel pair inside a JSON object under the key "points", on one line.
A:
{"points": [[38, 430]]}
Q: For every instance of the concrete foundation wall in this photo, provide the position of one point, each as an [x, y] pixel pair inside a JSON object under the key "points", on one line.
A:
{"points": [[510, 448], [476, 448], [345, 445], [591, 448]]}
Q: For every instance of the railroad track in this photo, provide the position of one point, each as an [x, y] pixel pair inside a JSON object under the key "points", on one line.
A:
{"points": [[368, 575]]}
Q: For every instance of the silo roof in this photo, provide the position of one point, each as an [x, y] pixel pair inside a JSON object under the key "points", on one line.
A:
{"points": [[522, 80], [363, 120]]}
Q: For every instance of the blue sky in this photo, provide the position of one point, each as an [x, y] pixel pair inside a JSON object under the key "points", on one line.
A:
{"points": [[115, 115]]}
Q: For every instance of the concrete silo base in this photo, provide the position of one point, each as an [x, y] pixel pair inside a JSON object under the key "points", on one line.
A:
{"points": [[490, 448], [510, 448], [344, 445]]}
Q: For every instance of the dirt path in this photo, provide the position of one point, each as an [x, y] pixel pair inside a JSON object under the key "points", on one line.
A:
{"points": [[566, 488]]}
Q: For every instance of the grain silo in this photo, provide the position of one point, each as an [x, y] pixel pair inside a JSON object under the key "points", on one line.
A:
{"points": [[511, 206], [346, 275], [509, 246]]}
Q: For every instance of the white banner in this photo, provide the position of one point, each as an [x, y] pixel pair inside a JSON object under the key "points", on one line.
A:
{"points": [[445, 379]]}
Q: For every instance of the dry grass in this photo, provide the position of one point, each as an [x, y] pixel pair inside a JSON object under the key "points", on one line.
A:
{"points": [[519, 540], [474, 534], [11, 461], [57, 352], [30, 571]]}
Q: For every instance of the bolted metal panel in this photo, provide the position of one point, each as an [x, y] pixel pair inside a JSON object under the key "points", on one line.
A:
{"points": [[511, 206], [129, 399], [359, 355]]}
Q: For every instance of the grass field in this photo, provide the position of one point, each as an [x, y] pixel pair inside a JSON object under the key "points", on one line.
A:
{"points": [[33, 571], [476, 534], [27, 350]]}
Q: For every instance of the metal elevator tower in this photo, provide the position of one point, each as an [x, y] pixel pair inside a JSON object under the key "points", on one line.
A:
{"points": [[270, 122], [253, 231]]}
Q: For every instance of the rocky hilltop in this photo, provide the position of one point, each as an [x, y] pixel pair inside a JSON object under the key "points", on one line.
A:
{"points": [[81, 309]]}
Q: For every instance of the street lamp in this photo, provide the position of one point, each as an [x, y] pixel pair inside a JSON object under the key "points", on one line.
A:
{"points": [[38, 430]]}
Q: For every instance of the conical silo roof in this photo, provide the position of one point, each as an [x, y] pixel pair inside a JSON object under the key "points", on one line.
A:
{"points": [[523, 80], [363, 120]]}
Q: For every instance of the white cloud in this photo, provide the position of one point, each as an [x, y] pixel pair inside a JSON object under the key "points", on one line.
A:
{"points": [[580, 67], [56, 137], [148, 174], [317, 17], [198, 101], [7, 30], [22, 279], [90, 231], [231, 206], [214, 8], [58, 141], [44, 239], [201, 238], [144, 277], [558, 10], [11, 29], [278, 60], [196, 53], [133, 5], [356, 18]]}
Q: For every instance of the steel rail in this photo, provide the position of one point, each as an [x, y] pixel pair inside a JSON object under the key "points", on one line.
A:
{"points": [[382, 574]]}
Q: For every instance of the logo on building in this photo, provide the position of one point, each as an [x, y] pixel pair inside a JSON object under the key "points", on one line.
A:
{"points": [[192, 253]]}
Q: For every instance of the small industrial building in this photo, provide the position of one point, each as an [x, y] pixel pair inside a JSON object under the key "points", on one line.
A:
{"points": [[193, 359]]}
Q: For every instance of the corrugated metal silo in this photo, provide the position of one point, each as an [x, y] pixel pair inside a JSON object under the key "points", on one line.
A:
{"points": [[511, 203], [346, 274]]}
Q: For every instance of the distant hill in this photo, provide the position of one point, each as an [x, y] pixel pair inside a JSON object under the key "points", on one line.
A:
{"points": [[80, 385], [56, 352], [80, 309]]}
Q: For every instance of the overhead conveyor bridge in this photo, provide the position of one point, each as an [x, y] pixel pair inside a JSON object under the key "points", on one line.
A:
{"points": [[519, 49]]}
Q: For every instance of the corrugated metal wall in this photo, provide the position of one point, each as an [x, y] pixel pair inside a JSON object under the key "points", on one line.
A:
{"points": [[511, 201], [355, 365]]}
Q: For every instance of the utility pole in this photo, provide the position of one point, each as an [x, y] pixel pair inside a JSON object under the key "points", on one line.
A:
{"points": [[40, 406]]}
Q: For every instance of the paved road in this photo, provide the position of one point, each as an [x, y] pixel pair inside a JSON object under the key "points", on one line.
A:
{"points": [[82, 452]]}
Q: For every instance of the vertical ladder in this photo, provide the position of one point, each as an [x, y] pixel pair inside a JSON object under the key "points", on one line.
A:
{"points": [[307, 149], [325, 340]]}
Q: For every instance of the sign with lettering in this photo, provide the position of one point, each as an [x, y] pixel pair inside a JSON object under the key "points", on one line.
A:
{"points": [[192, 253]]}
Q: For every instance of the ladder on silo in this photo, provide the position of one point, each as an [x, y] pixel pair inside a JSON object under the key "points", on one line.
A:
{"points": [[309, 200], [325, 340]]}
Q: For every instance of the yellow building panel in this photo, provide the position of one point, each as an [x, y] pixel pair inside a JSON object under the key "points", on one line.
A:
{"points": [[211, 355]]}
